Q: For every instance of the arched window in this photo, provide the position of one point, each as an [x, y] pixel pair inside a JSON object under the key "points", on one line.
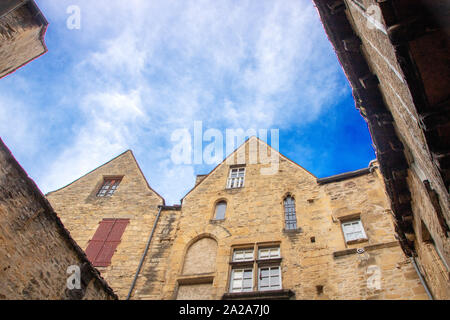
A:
{"points": [[221, 208], [289, 213]]}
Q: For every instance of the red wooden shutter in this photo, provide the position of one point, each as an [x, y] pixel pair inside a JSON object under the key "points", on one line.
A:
{"points": [[99, 238], [105, 241]]}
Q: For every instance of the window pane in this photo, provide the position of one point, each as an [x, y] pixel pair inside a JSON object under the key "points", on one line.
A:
{"points": [[289, 211], [275, 272], [353, 230], [248, 283], [236, 178], [264, 282], [263, 253], [221, 208], [269, 253], [264, 273], [243, 255], [241, 280], [108, 187]]}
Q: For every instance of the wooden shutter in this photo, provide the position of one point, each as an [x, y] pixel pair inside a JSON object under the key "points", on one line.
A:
{"points": [[105, 241]]}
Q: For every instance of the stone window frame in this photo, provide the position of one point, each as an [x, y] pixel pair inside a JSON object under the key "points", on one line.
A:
{"points": [[255, 264], [112, 188], [214, 211]]}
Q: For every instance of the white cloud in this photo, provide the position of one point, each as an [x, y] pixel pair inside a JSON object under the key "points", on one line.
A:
{"points": [[148, 68]]}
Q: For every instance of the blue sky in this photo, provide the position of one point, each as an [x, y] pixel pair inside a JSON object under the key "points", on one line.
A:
{"points": [[137, 71]]}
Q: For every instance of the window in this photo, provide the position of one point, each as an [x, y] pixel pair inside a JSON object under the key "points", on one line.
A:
{"points": [[353, 230], [241, 280], [267, 267], [102, 246], [108, 187], [243, 255], [269, 253], [236, 178], [269, 278], [289, 213], [221, 208]]}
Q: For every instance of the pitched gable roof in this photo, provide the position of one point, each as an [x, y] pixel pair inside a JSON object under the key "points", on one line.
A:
{"points": [[235, 152], [106, 163]]}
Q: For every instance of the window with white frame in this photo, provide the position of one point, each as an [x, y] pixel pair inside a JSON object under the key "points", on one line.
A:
{"points": [[267, 271], [269, 253], [236, 178], [241, 280], [243, 255], [353, 230], [269, 278]]}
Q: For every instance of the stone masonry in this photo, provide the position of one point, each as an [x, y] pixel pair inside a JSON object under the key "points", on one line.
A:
{"points": [[36, 250], [190, 252], [81, 211], [22, 31], [395, 55]]}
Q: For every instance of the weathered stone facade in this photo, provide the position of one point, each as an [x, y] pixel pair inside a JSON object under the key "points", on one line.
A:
{"points": [[81, 211], [190, 252], [395, 54], [22, 31], [313, 256], [36, 250]]}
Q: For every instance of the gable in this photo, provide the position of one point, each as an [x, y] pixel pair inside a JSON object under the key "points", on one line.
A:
{"points": [[124, 168], [258, 158]]}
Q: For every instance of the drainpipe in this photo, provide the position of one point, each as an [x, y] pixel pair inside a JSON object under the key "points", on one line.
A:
{"points": [[422, 280], [145, 253]]}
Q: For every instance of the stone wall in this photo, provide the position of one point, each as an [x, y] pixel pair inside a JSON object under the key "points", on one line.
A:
{"points": [[36, 250], [383, 60], [21, 37], [316, 261], [81, 212]]}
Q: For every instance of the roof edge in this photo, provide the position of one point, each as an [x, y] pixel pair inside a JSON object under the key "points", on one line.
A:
{"points": [[36, 192], [345, 176]]}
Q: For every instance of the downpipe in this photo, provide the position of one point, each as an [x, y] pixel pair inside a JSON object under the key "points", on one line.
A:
{"points": [[145, 253], [422, 280]]}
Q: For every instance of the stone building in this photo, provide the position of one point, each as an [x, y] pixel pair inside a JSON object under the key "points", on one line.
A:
{"points": [[38, 257], [22, 32], [395, 54], [241, 233], [36, 251], [113, 200]]}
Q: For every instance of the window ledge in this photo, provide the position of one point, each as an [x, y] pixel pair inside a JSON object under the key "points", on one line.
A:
{"points": [[294, 231], [269, 261], [273, 294], [196, 278], [234, 189], [215, 221], [366, 248], [362, 240], [242, 263]]}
